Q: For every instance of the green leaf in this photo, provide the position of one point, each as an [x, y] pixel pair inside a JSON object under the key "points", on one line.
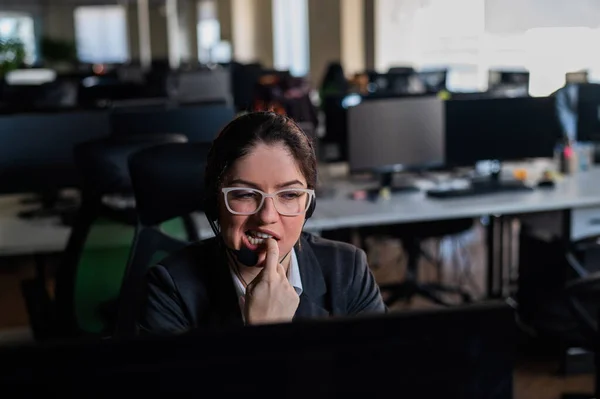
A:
{"points": [[12, 55]]}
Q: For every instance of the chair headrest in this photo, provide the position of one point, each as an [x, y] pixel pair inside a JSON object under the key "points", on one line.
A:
{"points": [[168, 181], [103, 162]]}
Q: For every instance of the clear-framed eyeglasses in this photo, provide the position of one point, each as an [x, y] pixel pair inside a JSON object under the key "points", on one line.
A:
{"points": [[248, 201]]}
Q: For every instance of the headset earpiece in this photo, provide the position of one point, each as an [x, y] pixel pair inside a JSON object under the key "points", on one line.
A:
{"points": [[311, 209]]}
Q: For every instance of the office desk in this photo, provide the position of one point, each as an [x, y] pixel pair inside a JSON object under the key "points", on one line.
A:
{"points": [[578, 196], [24, 237], [31, 236], [579, 191]]}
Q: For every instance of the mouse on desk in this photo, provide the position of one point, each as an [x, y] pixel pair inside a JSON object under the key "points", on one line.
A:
{"points": [[546, 183]]}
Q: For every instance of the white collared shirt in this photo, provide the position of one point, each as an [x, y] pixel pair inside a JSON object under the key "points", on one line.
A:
{"points": [[293, 275]]}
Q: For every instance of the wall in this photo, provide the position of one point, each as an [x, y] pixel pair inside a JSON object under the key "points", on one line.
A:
{"points": [[352, 20], [369, 26], [324, 36], [224, 10], [264, 33], [59, 22], [510, 16], [252, 31], [395, 33]]}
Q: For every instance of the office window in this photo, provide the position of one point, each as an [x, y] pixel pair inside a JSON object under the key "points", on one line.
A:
{"points": [[555, 51], [101, 34], [433, 33], [470, 37], [17, 26], [210, 46], [290, 36]]}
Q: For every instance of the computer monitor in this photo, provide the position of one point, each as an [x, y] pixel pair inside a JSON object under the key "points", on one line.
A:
{"points": [[506, 83], [202, 85], [500, 129], [36, 150], [588, 112], [434, 80], [462, 352], [200, 122], [394, 135]]}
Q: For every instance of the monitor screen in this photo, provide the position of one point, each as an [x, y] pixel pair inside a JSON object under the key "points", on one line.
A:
{"points": [[396, 134], [588, 112], [200, 123], [36, 149], [458, 352], [500, 129]]}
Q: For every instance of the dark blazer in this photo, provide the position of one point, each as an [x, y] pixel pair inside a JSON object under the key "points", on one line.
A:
{"points": [[194, 288]]}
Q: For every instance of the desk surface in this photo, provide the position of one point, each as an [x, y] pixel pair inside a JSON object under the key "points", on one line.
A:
{"points": [[578, 191], [18, 236]]}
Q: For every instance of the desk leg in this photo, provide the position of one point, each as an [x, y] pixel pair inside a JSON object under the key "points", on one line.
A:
{"points": [[495, 233], [490, 230], [500, 256]]}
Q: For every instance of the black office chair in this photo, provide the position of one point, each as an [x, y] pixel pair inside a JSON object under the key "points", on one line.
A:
{"points": [[103, 167], [583, 299], [558, 299], [167, 183], [412, 236]]}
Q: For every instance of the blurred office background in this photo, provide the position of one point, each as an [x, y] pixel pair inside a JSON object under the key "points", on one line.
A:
{"points": [[402, 98]]}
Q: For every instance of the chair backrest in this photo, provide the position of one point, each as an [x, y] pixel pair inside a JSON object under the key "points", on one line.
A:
{"points": [[168, 182], [104, 169], [103, 163], [582, 294]]}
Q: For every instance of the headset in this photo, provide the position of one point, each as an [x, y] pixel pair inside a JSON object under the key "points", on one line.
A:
{"points": [[244, 255]]}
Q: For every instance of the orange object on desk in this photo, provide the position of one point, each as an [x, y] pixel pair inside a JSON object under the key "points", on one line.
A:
{"points": [[520, 174]]}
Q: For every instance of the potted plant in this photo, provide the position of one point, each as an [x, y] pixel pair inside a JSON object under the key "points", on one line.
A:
{"points": [[12, 55]]}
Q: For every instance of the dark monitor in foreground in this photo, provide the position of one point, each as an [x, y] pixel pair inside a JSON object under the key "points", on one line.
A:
{"points": [[462, 352], [502, 129], [200, 123]]}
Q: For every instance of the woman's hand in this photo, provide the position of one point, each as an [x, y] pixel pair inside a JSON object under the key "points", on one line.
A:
{"points": [[270, 298]]}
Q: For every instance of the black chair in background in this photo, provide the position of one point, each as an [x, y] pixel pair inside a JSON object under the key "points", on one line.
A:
{"points": [[168, 182], [103, 166], [412, 236], [583, 300], [558, 299]]}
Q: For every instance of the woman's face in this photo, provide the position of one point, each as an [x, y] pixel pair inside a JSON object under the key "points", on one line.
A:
{"points": [[268, 168]]}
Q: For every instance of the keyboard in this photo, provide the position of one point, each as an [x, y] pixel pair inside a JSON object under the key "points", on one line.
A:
{"points": [[479, 188]]}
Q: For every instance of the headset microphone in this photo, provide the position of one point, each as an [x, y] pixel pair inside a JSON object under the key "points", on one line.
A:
{"points": [[246, 256]]}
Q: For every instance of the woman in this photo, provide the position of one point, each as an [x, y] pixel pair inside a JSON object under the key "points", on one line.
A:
{"points": [[334, 82], [260, 268]]}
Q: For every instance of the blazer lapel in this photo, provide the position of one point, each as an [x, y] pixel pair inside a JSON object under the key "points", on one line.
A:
{"points": [[226, 304], [313, 298]]}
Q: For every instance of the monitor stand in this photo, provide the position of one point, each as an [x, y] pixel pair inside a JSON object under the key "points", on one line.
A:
{"points": [[51, 204], [386, 181], [491, 185]]}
